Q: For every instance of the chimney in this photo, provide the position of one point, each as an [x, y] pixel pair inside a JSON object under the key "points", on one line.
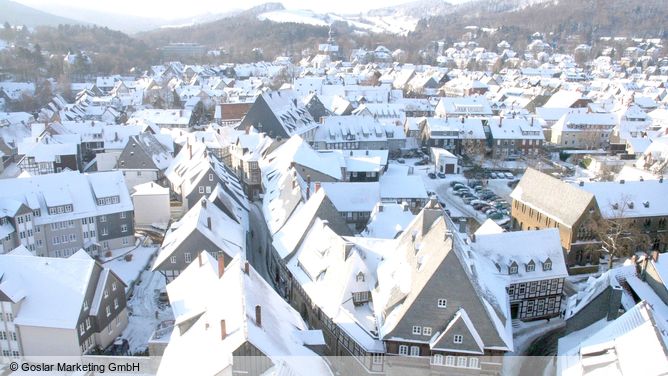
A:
{"points": [[532, 121], [655, 255], [258, 315], [308, 186], [380, 208], [406, 207], [472, 238], [247, 130], [581, 184], [223, 330], [317, 186], [367, 152], [462, 225], [204, 203], [208, 222], [462, 119], [199, 258], [500, 121], [190, 151], [661, 180], [221, 264], [621, 181], [246, 267], [347, 248]]}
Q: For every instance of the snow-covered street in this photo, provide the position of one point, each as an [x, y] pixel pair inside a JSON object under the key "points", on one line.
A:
{"points": [[145, 312]]}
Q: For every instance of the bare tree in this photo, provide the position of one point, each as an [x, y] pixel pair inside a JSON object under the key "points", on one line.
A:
{"points": [[617, 231]]}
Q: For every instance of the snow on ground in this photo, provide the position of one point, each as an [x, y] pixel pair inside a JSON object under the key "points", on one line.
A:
{"points": [[145, 310], [524, 333], [143, 303], [297, 16], [128, 271]]}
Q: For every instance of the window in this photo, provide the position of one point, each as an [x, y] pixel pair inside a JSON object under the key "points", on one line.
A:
{"points": [[81, 329], [85, 305], [115, 302], [3, 334], [513, 270], [461, 361], [458, 338], [106, 293], [210, 177], [126, 241], [87, 322], [109, 328], [442, 303], [426, 331], [531, 267], [172, 259], [437, 359], [188, 257], [113, 286], [415, 350], [138, 173], [474, 362], [118, 320], [15, 354], [103, 218], [105, 232], [417, 330], [108, 311], [124, 228], [377, 358], [123, 215], [547, 266], [201, 189], [403, 350], [208, 189]]}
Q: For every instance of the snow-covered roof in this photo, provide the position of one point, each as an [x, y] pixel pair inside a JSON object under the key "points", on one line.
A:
{"points": [[388, 220], [402, 187], [632, 199], [225, 232], [524, 248], [353, 196], [42, 283], [196, 297], [514, 129], [44, 191]]}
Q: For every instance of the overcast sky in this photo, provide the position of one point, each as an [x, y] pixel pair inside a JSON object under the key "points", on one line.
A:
{"points": [[172, 9]]}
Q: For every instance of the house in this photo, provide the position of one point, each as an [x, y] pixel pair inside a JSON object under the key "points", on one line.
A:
{"points": [[252, 330], [583, 130], [515, 136], [55, 215], [170, 118], [91, 305], [144, 159], [350, 133], [205, 227], [538, 203], [457, 135], [398, 188], [614, 347], [353, 201], [280, 114], [642, 202], [444, 161], [401, 311], [246, 153], [532, 263]]}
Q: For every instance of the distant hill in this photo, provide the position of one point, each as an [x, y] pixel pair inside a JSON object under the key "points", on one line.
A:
{"points": [[19, 14]]}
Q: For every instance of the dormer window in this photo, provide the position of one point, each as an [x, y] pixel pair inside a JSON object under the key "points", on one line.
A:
{"points": [[512, 269], [531, 266], [547, 265], [360, 277]]}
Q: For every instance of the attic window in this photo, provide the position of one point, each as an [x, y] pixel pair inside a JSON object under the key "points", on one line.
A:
{"points": [[531, 266], [360, 298], [645, 204], [547, 265], [360, 277], [630, 204], [512, 269]]}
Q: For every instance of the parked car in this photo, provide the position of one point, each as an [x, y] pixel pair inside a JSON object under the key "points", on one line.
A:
{"points": [[453, 183], [495, 215], [509, 175], [401, 160], [431, 175], [492, 175], [441, 175], [467, 200]]}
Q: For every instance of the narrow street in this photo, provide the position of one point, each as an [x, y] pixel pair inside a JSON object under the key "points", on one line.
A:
{"points": [[258, 249]]}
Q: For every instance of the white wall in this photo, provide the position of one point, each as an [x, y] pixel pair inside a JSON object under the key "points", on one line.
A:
{"points": [[40, 341], [107, 161], [151, 209]]}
